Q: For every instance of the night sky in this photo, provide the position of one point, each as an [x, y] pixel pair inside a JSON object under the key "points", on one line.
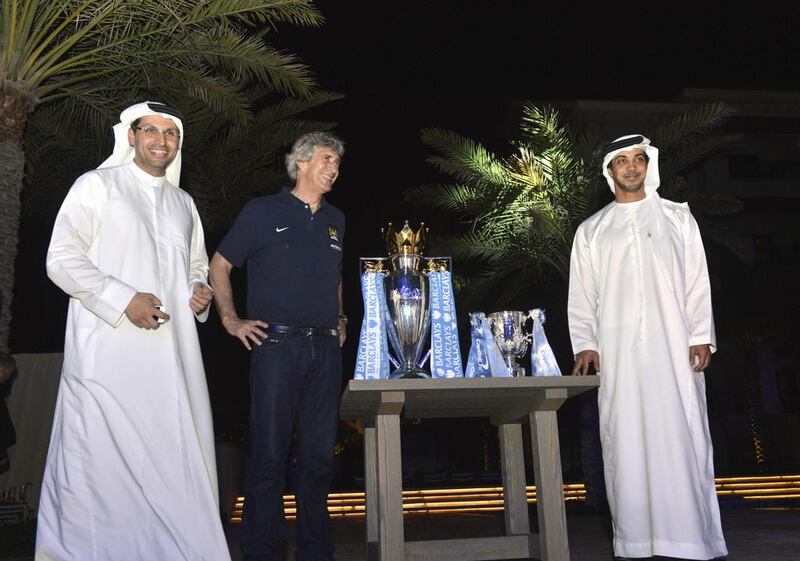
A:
{"points": [[404, 66]]}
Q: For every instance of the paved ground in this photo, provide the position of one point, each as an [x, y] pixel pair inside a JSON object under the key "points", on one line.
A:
{"points": [[769, 535], [752, 535]]}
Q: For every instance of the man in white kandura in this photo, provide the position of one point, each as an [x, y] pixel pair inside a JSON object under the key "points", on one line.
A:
{"points": [[640, 312], [130, 472]]}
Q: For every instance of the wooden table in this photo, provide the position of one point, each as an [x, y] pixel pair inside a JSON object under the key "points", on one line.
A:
{"points": [[508, 402]]}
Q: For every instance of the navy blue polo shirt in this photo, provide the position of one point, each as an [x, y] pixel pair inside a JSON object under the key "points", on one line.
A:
{"points": [[293, 258]]}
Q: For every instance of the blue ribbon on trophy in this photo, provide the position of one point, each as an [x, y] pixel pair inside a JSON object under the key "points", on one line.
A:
{"points": [[484, 359], [543, 361], [445, 348], [372, 362]]}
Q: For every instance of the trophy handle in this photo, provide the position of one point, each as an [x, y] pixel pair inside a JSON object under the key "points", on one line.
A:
{"points": [[532, 315]]}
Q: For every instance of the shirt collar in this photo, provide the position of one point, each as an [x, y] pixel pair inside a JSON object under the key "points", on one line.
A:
{"points": [[286, 192], [145, 177]]}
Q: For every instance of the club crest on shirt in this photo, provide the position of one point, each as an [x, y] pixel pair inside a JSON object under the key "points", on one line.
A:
{"points": [[333, 233]]}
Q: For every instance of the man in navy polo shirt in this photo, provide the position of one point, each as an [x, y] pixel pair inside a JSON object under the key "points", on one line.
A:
{"points": [[291, 244]]}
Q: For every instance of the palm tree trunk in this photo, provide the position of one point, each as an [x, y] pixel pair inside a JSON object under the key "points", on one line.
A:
{"points": [[13, 114]]}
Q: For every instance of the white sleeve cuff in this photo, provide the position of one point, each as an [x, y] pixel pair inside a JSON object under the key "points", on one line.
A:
{"points": [[111, 304]]}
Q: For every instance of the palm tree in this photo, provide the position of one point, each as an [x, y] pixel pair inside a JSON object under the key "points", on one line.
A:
{"points": [[521, 210], [80, 58]]}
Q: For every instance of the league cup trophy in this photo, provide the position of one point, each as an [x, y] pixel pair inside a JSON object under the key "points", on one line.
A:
{"points": [[508, 328], [406, 288]]}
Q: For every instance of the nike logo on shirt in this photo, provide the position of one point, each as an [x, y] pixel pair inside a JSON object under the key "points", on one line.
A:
{"points": [[281, 229]]}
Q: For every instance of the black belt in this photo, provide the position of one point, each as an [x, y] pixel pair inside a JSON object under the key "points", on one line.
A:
{"points": [[307, 331]]}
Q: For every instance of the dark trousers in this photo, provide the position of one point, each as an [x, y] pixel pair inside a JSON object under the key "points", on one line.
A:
{"points": [[295, 382], [592, 451]]}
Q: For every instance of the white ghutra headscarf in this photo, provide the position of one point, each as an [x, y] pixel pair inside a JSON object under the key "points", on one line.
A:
{"points": [[628, 142], [123, 152]]}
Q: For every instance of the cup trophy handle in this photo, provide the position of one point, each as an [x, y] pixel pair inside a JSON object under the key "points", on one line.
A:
{"points": [[532, 315]]}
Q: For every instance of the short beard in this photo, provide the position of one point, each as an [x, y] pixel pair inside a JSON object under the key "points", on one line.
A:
{"points": [[632, 188]]}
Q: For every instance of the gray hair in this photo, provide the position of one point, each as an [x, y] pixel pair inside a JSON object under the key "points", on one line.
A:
{"points": [[304, 147]]}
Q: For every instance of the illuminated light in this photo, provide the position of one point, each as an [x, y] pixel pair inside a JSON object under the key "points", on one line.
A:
{"points": [[763, 485], [770, 497], [757, 478], [451, 510], [476, 494], [763, 491], [768, 489], [490, 499], [450, 503], [759, 483], [453, 491]]}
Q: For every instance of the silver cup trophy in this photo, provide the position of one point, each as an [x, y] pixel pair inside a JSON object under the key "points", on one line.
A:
{"points": [[406, 289], [508, 328]]}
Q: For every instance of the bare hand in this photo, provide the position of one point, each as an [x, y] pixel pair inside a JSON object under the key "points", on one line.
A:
{"points": [[201, 298], [582, 362], [142, 311], [700, 357], [246, 330], [342, 332]]}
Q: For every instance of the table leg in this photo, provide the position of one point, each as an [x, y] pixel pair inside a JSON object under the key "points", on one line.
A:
{"points": [[512, 465], [549, 486], [371, 487], [390, 488]]}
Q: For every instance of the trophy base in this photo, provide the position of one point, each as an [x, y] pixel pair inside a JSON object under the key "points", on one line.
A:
{"points": [[413, 372], [518, 372]]}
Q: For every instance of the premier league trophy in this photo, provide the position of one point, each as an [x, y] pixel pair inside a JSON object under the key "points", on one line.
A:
{"points": [[508, 328], [409, 306], [406, 289]]}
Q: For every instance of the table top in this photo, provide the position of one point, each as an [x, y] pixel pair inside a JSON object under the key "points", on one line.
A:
{"points": [[505, 398]]}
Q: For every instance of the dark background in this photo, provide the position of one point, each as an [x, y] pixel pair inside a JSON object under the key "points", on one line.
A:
{"points": [[404, 66]]}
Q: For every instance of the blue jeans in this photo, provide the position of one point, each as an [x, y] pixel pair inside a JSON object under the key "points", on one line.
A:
{"points": [[295, 381]]}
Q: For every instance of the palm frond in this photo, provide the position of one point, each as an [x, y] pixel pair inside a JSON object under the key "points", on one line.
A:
{"points": [[542, 128], [459, 199], [680, 158], [73, 48], [463, 158], [693, 125], [470, 246]]}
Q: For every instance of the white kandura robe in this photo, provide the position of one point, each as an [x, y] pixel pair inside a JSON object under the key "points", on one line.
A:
{"points": [[639, 295], [130, 472]]}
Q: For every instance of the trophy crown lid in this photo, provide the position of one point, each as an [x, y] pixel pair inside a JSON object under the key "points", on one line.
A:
{"points": [[405, 241]]}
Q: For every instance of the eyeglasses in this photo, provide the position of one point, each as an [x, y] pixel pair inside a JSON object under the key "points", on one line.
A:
{"points": [[152, 132]]}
